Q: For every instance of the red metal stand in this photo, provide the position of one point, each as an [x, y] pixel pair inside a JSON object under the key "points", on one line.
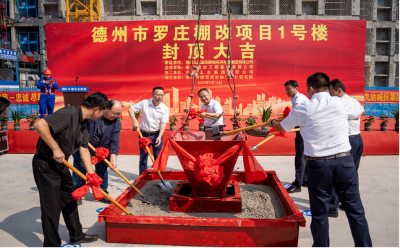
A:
{"points": [[181, 200]]}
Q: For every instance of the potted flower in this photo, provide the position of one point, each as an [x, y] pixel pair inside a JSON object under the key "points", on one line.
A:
{"points": [[137, 116], [201, 127], [185, 127], [3, 120], [251, 120], [234, 124], [395, 114], [384, 120], [172, 122], [17, 116], [368, 121], [32, 118], [265, 115]]}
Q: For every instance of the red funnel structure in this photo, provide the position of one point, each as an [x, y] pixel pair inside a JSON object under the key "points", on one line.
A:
{"points": [[209, 165]]}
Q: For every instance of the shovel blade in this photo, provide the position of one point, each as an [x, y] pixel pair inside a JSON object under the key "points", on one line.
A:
{"points": [[148, 199], [162, 186], [169, 185], [212, 133]]}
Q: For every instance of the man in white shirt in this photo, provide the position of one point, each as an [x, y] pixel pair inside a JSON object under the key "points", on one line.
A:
{"points": [[324, 125], [337, 88], [300, 160], [155, 116], [214, 109]]}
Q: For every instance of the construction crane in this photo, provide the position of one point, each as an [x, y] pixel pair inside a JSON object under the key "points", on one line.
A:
{"points": [[82, 10]]}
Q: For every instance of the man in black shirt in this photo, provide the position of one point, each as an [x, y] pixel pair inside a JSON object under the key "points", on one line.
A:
{"points": [[60, 134]]}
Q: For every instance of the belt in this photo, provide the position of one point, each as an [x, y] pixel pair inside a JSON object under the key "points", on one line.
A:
{"points": [[150, 133], [339, 155], [47, 93], [356, 135]]}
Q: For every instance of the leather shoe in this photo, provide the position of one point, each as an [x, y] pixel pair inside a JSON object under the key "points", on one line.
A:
{"points": [[105, 200], [305, 184], [87, 239], [79, 202], [333, 213], [341, 206], [293, 189]]}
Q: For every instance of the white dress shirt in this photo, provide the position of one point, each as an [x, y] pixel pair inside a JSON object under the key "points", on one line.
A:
{"points": [[152, 116], [213, 107], [324, 124], [298, 98], [354, 125]]}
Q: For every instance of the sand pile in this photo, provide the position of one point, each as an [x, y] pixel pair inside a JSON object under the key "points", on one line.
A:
{"points": [[258, 202]]}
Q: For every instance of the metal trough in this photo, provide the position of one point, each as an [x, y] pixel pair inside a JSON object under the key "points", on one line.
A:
{"points": [[162, 230]]}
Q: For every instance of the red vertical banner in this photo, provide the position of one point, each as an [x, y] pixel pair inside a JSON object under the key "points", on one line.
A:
{"points": [[125, 60]]}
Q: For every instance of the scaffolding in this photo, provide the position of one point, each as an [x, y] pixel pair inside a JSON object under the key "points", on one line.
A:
{"points": [[83, 10], [3, 25]]}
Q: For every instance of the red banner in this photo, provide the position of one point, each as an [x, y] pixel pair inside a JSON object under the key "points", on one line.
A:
{"points": [[21, 97], [125, 60], [28, 59], [381, 96]]}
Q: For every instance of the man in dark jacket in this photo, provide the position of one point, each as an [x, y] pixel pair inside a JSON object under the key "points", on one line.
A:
{"points": [[103, 133]]}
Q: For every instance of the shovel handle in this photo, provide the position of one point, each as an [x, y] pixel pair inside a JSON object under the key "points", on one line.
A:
{"points": [[104, 193], [117, 171], [243, 129], [273, 135], [147, 148]]}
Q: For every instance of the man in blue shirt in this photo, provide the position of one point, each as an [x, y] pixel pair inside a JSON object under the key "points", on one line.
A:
{"points": [[47, 97], [104, 132]]}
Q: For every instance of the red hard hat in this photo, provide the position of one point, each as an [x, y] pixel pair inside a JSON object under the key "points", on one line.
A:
{"points": [[47, 71]]}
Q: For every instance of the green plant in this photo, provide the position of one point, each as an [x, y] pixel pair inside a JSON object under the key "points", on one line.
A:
{"points": [[265, 113], [238, 119], [395, 113], [3, 119], [172, 119], [187, 121], [369, 119], [384, 119], [138, 115], [251, 120], [32, 118], [17, 116]]}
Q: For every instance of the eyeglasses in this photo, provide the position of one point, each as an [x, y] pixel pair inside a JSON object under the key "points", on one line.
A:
{"points": [[156, 95], [115, 114]]}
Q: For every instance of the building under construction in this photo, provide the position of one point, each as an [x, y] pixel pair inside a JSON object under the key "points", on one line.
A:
{"points": [[26, 21]]}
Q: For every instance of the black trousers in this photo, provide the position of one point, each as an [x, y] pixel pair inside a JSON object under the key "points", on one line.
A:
{"points": [[340, 174], [55, 186], [357, 147], [300, 161]]}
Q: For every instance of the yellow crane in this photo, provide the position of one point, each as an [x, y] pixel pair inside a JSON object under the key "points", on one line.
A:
{"points": [[83, 10]]}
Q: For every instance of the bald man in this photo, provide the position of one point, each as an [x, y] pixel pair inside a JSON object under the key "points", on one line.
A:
{"points": [[103, 133]]}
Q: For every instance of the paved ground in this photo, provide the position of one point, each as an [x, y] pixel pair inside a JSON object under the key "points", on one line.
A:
{"points": [[20, 211]]}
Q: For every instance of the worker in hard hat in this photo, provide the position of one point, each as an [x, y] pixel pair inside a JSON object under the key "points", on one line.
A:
{"points": [[47, 97]]}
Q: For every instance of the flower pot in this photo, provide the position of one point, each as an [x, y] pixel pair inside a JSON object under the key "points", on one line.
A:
{"points": [[367, 126], [172, 127], [16, 127], [396, 127], [134, 128], [3, 127], [383, 126], [185, 128], [201, 127], [32, 127], [234, 126], [264, 128]]}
